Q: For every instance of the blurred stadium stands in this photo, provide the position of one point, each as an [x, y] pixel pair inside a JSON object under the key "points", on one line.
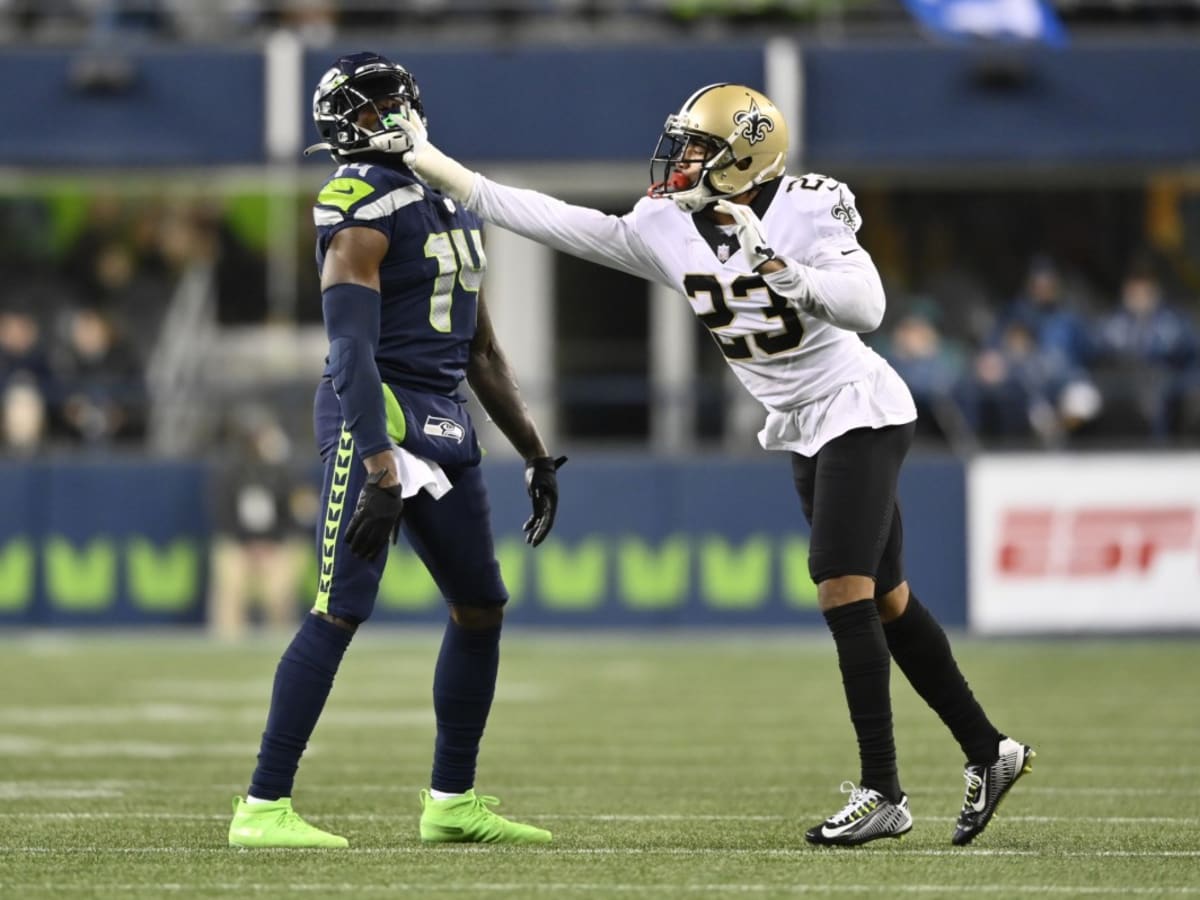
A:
{"points": [[77, 21]]}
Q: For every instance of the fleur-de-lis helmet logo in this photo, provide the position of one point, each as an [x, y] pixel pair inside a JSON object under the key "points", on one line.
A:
{"points": [[753, 124]]}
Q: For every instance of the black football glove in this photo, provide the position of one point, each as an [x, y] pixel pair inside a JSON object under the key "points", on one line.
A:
{"points": [[542, 484], [376, 517]]}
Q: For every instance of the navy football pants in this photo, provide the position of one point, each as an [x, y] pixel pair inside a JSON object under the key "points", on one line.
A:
{"points": [[452, 536]]}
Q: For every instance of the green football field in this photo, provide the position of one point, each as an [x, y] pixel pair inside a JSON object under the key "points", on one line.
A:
{"points": [[667, 766]]}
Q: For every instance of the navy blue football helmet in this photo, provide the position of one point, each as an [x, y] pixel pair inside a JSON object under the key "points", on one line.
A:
{"points": [[356, 99]]}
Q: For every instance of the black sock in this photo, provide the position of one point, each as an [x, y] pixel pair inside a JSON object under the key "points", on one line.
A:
{"points": [[866, 670], [302, 682], [464, 683], [922, 651]]}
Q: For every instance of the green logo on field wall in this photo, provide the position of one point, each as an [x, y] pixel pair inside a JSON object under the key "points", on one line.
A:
{"points": [[163, 579], [81, 579], [16, 575], [565, 577], [84, 577], [644, 575]]}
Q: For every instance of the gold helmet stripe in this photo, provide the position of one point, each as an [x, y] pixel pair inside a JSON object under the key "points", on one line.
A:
{"points": [[687, 104]]}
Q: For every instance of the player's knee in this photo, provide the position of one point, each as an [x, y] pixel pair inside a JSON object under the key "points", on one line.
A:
{"points": [[476, 618], [844, 589], [892, 603], [350, 625]]}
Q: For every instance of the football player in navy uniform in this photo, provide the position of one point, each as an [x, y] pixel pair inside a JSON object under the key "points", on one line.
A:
{"points": [[401, 267], [770, 263]]}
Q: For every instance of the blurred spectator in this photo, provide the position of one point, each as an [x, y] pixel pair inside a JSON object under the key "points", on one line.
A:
{"points": [[26, 381], [45, 18], [260, 529], [22, 349], [1021, 391], [116, 264], [215, 21], [121, 19], [241, 271], [932, 366], [1057, 327], [314, 21], [23, 415], [1146, 355], [101, 397]]}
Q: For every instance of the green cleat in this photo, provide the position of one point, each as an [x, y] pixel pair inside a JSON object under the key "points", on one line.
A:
{"points": [[276, 824], [467, 820]]}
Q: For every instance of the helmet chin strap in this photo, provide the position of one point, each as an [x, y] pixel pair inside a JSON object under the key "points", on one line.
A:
{"points": [[694, 199]]}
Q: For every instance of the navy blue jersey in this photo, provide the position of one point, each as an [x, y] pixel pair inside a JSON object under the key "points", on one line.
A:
{"points": [[429, 279]]}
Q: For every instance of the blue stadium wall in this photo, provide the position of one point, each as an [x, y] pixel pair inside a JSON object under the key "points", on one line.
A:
{"points": [[697, 543], [907, 104]]}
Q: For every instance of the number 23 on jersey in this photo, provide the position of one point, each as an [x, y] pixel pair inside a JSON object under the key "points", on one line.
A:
{"points": [[747, 294]]}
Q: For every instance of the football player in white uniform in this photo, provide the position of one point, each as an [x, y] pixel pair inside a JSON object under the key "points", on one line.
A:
{"points": [[771, 265]]}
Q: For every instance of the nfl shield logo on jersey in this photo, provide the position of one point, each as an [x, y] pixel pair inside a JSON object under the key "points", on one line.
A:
{"points": [[723, 252]]}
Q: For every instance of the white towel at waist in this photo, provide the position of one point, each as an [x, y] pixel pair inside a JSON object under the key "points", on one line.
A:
{"points": [[420, 474]]}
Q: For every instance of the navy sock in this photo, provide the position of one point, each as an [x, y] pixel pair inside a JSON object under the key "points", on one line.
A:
{"points": [[866, 672], [302, 682], [464, 683], [922, 651]]}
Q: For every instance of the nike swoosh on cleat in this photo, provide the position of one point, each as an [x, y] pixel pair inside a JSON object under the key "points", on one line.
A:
{"points": [[828, 832], [248, 832], [446, 829]]}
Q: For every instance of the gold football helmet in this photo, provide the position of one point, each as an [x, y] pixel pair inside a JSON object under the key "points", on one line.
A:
{"points": [[725, 139]]}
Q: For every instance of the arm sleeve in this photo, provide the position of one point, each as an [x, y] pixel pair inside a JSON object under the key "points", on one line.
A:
{"points": [[352, 324], [587, 233], [838, 284]]}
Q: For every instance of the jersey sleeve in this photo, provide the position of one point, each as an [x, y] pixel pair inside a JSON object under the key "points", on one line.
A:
{"points": [[834, 218], [609, 240], [364, 196], [834, 278]]}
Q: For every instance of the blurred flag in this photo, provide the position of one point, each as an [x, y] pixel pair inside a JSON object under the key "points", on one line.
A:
{"points": [[1014, 20]]}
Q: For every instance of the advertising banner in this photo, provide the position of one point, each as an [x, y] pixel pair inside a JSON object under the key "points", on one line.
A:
{"points": [[105, 543], [697, 542], [1100, 543]]}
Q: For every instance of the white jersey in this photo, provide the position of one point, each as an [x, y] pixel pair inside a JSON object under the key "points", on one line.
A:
{"points": [[788, 336]]}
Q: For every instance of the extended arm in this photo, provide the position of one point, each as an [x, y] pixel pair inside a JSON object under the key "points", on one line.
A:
{"points": [[583, 232], [578, 230]]}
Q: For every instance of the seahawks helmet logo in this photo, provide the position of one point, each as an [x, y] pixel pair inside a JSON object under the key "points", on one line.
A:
{"points": [[753, 125]]}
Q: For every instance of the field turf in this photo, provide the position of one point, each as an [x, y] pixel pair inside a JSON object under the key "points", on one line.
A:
{"points": [[667, 766]]}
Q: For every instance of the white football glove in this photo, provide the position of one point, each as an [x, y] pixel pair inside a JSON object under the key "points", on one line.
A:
{"points": [[404, 135], [750, 233], [412, 140]]}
